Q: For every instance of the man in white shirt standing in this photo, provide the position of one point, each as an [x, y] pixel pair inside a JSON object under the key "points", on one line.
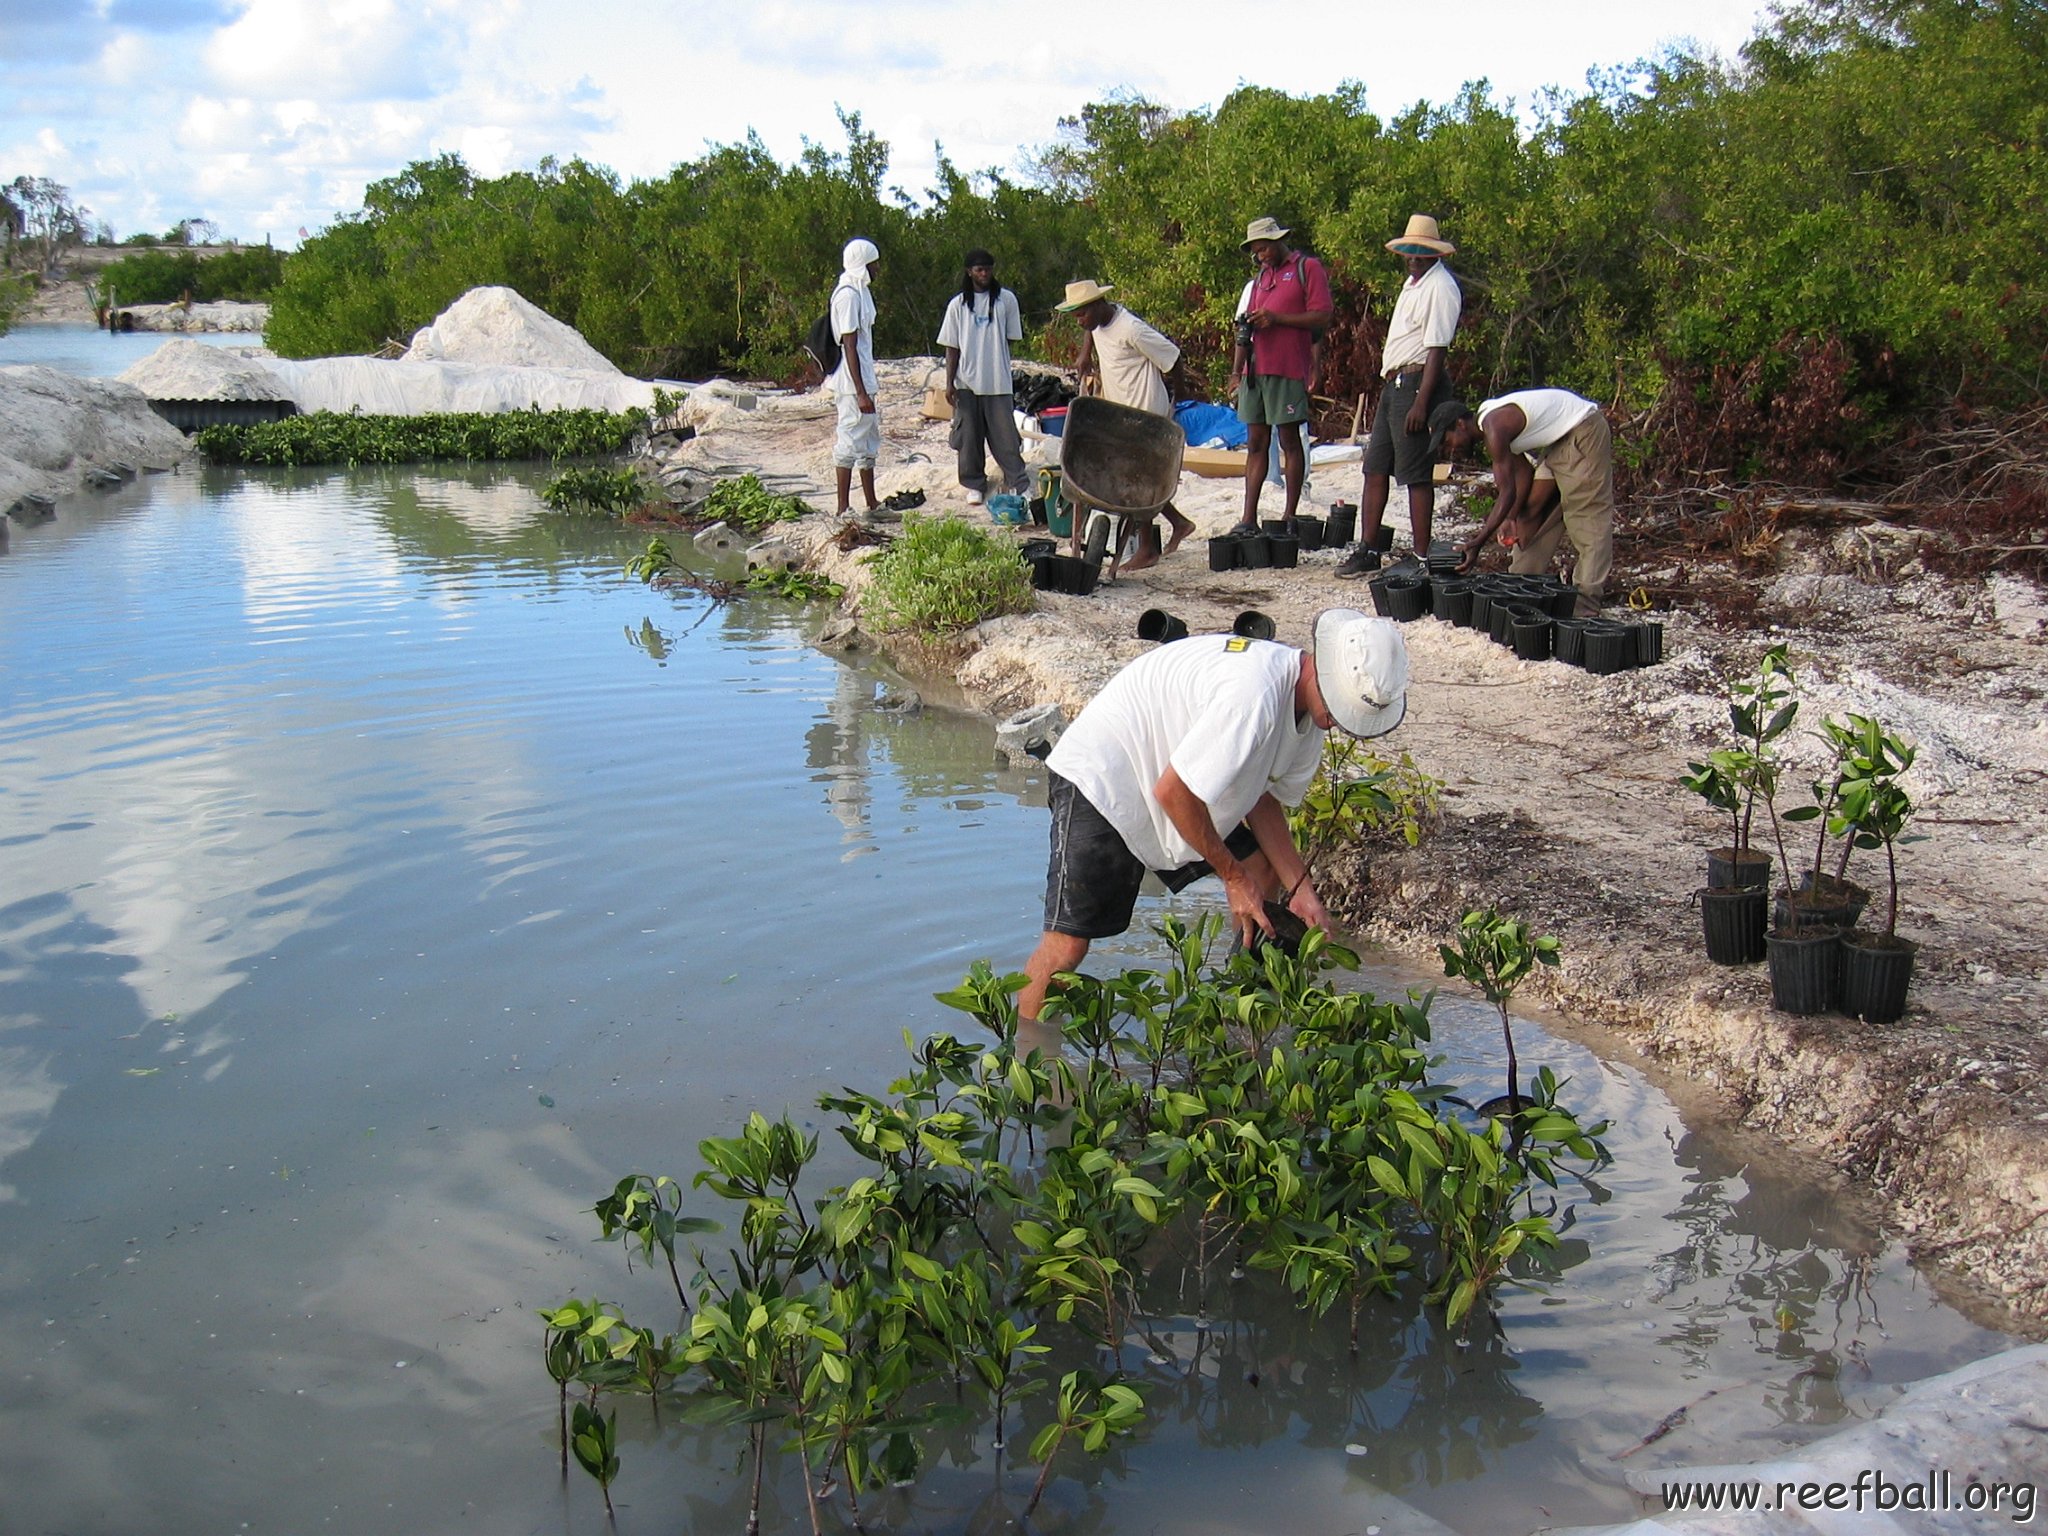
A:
{"points": [[981, 321], [1129, 361], [858, 438], [1184, 765], [1412, 364], [1565, 434]]}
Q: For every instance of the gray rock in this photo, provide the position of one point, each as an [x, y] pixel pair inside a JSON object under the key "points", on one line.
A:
{"points": [[719, 539], [1030, 733], [771, 555]]}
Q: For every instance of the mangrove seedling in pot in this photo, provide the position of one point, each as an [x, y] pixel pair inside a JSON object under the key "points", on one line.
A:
{"points": [[1734, 779], [1878, 967]]}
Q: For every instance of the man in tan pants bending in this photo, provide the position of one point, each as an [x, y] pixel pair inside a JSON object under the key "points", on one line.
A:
{"points": [[1566, 435]]}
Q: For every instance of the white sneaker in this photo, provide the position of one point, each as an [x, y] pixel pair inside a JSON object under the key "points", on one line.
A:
{"points": [[974, 498]]}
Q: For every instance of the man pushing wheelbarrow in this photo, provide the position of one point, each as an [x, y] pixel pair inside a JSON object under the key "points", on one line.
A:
{"points": [[1128, 361]]}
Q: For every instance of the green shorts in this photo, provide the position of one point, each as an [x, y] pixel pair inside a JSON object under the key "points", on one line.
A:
{"points": [[1272, 401]]}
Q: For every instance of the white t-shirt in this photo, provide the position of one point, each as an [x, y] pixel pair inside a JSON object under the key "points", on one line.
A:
{"points": [[1220, 711], [983, 334], [1133, 359], [853, 309], [1425, 316], [1549, 413]]}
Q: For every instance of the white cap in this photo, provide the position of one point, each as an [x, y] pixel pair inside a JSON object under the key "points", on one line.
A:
{"points": [[1362, 670]]}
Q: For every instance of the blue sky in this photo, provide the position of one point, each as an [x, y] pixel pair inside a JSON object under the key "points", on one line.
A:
{"points": [[267, 116]]}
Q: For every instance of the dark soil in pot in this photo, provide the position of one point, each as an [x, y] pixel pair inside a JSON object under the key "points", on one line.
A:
{"points": [[1728, 871], [1806, 969], [1733, 920], [1834, 905], [1877, 970]]}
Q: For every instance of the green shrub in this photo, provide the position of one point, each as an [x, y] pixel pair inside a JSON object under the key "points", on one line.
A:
{"points": [[334, 437], [592, 489], [943, 575], [164, 275]]}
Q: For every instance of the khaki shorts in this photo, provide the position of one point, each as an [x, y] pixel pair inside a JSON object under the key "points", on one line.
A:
{"points": [[1265, 400]]}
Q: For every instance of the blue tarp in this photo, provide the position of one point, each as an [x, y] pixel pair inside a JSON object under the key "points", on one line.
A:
{"points": [[1206, 423]]}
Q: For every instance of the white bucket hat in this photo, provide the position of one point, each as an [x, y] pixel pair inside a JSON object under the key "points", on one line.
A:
{"points": [[1362, 670]]}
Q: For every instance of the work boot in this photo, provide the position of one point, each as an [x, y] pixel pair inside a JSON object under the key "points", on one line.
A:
{"points": [[1362, 561]]}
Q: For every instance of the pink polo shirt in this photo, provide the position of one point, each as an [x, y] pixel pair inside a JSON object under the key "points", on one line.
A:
{"points": [[1295, 287]]}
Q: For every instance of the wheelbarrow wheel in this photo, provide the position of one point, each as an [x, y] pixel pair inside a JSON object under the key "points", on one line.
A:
{"points": [[1098, 537]]}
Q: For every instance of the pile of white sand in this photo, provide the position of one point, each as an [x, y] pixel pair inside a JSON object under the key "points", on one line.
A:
{"points": [[192, 370], [55, 427], [496, 325]]}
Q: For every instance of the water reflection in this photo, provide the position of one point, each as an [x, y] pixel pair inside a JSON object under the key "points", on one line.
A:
{"points": [[370, 907]]}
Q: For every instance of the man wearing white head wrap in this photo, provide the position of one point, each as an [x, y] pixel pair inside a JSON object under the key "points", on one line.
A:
{"points": [[859, 435]]}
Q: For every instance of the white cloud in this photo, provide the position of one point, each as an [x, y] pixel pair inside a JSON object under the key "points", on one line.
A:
{"points": [[284, 113]]}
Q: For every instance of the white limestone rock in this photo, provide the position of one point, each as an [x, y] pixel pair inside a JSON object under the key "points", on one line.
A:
{"points": [[55, 429]]}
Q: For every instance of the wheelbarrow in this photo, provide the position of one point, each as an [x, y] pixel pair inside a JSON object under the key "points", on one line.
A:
{"points": [[1118, 466]]}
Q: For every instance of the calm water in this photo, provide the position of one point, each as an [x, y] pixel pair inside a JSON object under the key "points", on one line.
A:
{"points": [[94, 353], [382, 875]]}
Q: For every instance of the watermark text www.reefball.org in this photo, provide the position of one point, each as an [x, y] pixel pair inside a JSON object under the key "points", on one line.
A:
{"points": [[1934, 1493]]}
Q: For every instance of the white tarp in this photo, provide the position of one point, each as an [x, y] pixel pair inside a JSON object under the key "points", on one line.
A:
{"points": [[380, 388]]}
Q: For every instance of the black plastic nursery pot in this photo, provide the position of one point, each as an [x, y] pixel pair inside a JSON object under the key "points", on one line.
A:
{"points": [[1253, 625], [1500, 620], [1806, 969], [1310, 531], [1038, 549], [1729, 870], [1254, 551], [1568, 641], [1283, 551], [1407, 598], [1483, 594], [1451, 601], [1376, 586], [1443, 558], [1159, 625], [1045, 572], [1733, 919], [1341, 527], [1532, 636], [1223, 553], [1649, 643], [1564, 602], [1610, 648], [1383, 541], [1877, 970]]}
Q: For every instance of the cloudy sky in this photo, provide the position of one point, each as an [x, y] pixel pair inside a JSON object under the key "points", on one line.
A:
{"points": [[271, 115]]}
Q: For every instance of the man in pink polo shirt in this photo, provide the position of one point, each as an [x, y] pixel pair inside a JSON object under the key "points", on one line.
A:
{"points": [[1273, 364]]}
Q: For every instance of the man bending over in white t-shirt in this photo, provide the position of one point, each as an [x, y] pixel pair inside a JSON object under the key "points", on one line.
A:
{"points": [[1184, 765]]}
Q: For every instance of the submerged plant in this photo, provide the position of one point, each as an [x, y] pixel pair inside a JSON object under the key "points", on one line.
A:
{"points": [[654, 561]]}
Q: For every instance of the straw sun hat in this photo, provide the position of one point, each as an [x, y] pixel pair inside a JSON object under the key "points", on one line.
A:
{"points": [[1083, 292], [1421, 238]]}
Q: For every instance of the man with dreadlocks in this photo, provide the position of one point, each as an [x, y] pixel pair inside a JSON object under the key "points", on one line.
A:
{"points": [[981, 321]]}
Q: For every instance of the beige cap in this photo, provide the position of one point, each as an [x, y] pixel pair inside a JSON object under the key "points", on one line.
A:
{"points": [[1362, 670], [1262, 229], [1083, 292], [1421, 238]]}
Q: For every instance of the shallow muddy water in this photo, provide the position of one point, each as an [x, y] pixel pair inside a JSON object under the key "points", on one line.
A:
{"points": [[382, 875]]}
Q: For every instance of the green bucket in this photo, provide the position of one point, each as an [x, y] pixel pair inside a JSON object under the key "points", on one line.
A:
{"points": [[1059, 517]]}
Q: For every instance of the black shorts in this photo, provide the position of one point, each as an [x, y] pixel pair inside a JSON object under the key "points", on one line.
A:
{"points": [[1091, 883], [1393, 449]]}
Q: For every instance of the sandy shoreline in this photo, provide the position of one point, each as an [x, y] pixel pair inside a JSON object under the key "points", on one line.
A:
{"points": [[1562, 806]]}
